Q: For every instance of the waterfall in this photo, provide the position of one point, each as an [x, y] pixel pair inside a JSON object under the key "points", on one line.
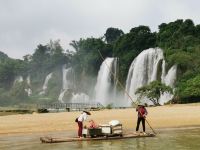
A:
{"points": [[68, 78], [61, 95], [45, 85], [68, 82], [143, 70], [28, 80], [163, 72], [169, 80], [28, 90], [104, 87], [115, 78], [18, 79], [80, 98]]}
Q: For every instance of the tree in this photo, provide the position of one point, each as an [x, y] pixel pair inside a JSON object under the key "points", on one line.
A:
{"points": [[179, 34], [197, 31], [138, 39], [3, 56], [129, 45], [112, 35], [153, 91], [75, 45], [46, 58], [189, 90], [9, 69], [183, 59], [167, 36], [57, 57], [87, 58], [40, 58]]}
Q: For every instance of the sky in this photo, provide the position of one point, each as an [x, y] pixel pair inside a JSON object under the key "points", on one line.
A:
{"points": [[24, 24]]}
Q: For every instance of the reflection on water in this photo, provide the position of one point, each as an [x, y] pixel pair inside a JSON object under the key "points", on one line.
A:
{"points": [[177, 139]]}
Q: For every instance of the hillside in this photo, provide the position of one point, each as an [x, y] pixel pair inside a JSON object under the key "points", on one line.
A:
{"points": [[39, 77]]}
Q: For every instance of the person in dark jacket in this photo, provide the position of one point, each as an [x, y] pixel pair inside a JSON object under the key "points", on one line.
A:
{"points": [[142, 113]]}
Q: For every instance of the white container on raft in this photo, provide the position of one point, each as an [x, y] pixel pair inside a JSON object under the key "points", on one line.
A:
{"points": [[105, 128], [114, 122], [85, 131]]}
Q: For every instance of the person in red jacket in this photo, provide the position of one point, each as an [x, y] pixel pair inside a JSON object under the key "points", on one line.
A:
{"points": [[142, 113]]}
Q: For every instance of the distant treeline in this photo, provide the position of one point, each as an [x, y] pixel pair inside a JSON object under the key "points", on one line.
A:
{"points": [[180, 41]]}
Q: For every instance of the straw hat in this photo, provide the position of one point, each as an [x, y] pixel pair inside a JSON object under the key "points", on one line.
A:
{"points": [[142, 104], [87, 112]]}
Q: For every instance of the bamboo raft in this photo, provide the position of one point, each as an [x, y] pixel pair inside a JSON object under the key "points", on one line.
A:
{"points": [[74, 139]]}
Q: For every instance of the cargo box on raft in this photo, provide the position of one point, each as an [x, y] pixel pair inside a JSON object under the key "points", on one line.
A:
{"points": [[103, 130]]}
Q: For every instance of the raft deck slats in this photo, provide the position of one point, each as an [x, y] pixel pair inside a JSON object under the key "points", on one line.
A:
{"points": [[59, 140]]}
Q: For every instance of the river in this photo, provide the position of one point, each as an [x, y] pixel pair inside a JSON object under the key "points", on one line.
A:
{"points": [[166, 139]]}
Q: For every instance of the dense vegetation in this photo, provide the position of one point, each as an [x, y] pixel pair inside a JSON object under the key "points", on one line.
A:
{"points": [[180, 41], [153, 91]]}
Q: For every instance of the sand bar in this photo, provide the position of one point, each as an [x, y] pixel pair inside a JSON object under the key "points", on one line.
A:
{"points": [[159, 117]]}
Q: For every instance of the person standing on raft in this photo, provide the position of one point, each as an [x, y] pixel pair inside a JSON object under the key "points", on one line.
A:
{"points": [[142, 113], [83, 116]]}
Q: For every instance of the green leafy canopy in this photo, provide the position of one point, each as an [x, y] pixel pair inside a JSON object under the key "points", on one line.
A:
{"points": [[153, 91]]}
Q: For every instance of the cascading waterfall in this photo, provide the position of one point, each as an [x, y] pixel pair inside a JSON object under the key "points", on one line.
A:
{"points": [[115, 80], [28, 80], [104, 93], [163, 71], [144, 69], [60, 97], [45, 85], [69, 86], [18, 79], [80, 98], [68, 78], [68, 81], [28, 90], [169, 80]]}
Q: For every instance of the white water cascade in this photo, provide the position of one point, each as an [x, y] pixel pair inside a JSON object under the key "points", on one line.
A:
{"points": [[28, 90], [28, 80], [45, 85], [144, 69], [18, 79], [169, 80], [80, 98], [68, 81], [104, 89], [68, 78]]}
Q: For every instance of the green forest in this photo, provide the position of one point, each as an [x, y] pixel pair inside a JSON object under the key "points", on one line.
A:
{"points": [[180, 41]]}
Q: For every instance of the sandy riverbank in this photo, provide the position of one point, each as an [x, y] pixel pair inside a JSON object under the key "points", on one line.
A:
{"points": [[159, 117]]}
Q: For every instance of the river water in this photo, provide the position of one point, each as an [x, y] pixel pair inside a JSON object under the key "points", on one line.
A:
{"points": [[167, 139]]}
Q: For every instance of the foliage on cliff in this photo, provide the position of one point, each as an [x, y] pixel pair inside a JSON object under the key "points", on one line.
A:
{"points": [[180, 41]]}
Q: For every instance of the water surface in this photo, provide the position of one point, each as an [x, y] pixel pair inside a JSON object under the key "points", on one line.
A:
{"points": [[167, 139]]}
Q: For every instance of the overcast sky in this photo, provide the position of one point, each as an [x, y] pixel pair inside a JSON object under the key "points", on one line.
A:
{"points": [[26, 23]]}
